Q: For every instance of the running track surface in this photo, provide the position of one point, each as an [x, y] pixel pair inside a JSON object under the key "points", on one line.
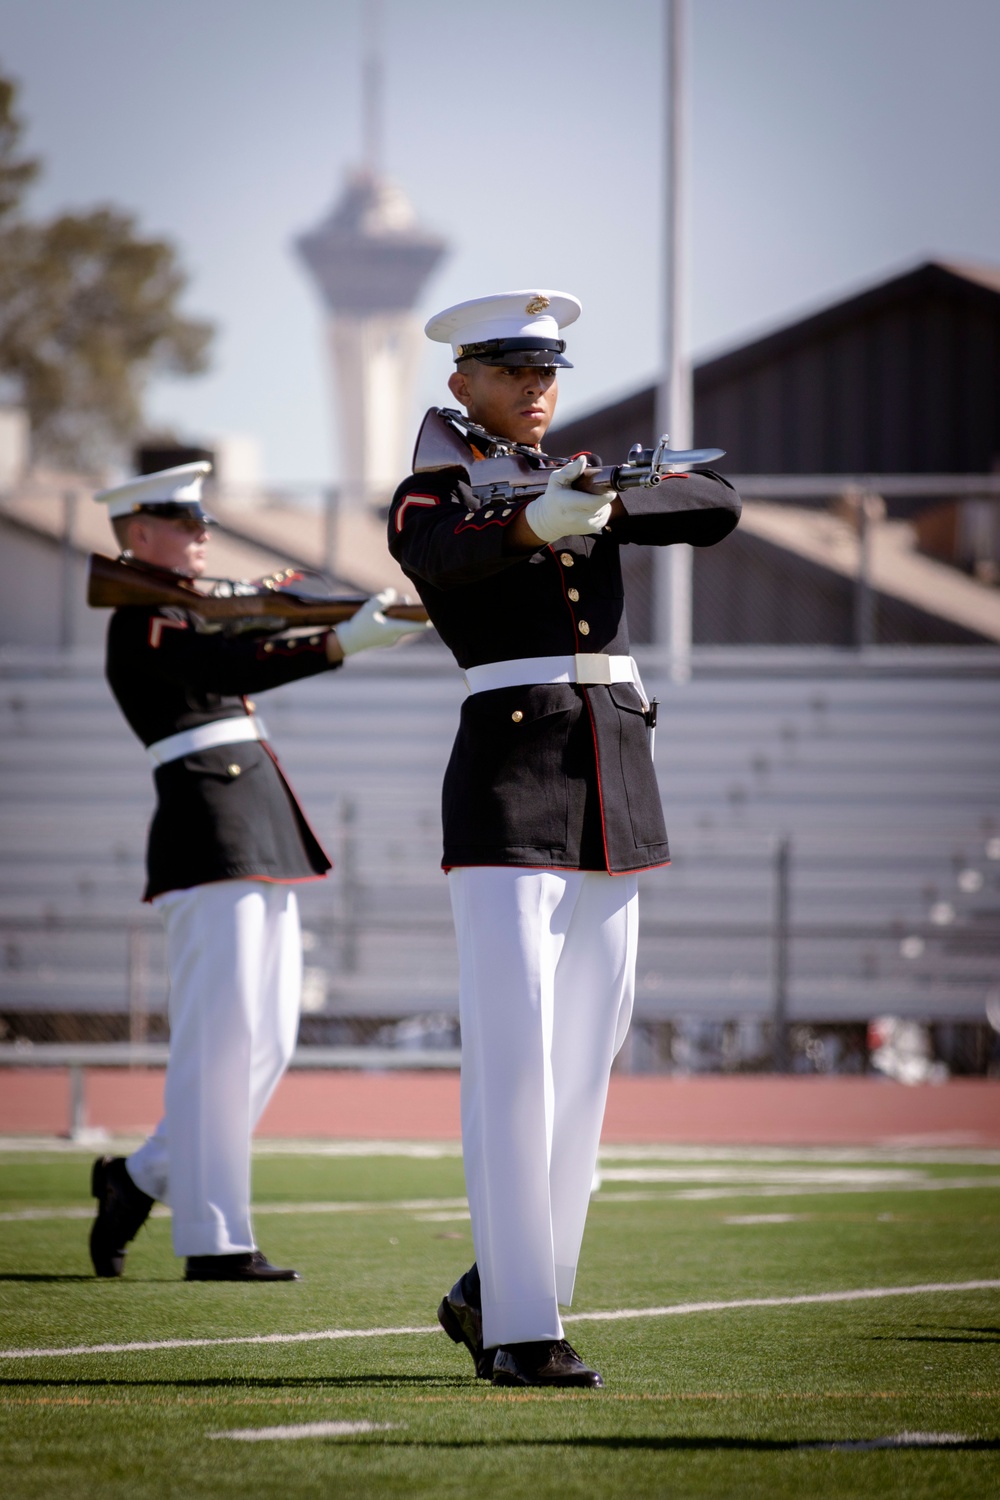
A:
{"points": [[758, 1110]]}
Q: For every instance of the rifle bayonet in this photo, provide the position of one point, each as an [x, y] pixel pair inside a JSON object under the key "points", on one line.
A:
{"points": [[502, 471]]}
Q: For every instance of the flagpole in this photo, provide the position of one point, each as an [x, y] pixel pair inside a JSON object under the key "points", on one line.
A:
{"points": [[673, 600]]}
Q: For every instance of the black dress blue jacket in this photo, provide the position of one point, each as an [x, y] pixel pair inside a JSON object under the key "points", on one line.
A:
{"points": [[554, 776], [226, 813]]}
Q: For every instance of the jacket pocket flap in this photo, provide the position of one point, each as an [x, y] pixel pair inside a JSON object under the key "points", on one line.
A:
{"points": [[626, 696], [530, 703], [227, 762]]}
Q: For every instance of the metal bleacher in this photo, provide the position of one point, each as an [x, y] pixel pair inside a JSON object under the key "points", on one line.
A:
{"points": [[881, 771]]}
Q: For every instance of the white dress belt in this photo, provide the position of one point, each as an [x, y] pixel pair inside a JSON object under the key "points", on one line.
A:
{"points": [[588, 668], [206, 737]]}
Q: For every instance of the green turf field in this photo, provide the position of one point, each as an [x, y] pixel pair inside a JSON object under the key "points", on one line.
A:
{"points": [[769, 1401]]}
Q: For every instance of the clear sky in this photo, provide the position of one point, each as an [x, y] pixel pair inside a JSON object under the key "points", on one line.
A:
{"points": [[832, 142]]}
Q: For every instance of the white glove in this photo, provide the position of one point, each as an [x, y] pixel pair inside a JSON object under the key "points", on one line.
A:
{"points": [[563, 511], [370, 627]]}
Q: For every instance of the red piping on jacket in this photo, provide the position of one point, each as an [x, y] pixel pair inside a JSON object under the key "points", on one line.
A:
{"points": [[263, 879], [600, 793], [418, 500], [491, 864], [492, 517], [301, 811]]}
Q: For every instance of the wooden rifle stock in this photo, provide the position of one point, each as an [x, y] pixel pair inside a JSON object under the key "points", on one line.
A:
{"points": [[112, 584]]}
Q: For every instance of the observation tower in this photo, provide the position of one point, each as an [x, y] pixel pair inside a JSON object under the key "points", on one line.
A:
{"points": [[371, 260]]}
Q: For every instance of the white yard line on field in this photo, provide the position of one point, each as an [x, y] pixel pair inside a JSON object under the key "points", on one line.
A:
{"points": [[124, 1145], [304, 1430], [753, 1174], [898, 1440], [399, 1205], [738, 1186], [956, 1149], [907, 1184], [739, 1189], [26, 1215], [325, 1335], [937, 1152], [765, 1218], [864, 1294], [677, 1309]]}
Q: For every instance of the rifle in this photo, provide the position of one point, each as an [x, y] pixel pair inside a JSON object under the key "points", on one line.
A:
{"points": [[500, 470], [271, 602]]}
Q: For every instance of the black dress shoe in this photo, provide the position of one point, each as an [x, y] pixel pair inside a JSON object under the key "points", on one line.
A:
{"points": [[461, 1317], [250, 1265], [547, 1362], [122, 1209]]}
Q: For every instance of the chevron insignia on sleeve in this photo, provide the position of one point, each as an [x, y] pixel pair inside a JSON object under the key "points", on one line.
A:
{"points": [[158, 624], [417, 500]]}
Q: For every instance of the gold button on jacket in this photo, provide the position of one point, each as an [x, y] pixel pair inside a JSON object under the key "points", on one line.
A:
{"points": [[566, 558], [234, 769], [517, 716], [583, 628], [573, 595]]}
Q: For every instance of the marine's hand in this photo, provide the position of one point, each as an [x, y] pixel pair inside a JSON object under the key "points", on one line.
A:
{"points": [[563, 511], [370, 627]]}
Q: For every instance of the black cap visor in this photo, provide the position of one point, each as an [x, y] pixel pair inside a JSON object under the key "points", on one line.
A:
{"points": [[515, 353], [172, 510]]}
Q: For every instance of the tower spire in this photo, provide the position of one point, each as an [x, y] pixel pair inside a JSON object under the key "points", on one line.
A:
{"points": [[371, 88], [370, 260]]}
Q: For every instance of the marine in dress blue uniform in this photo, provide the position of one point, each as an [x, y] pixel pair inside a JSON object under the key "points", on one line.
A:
{"points": [[550, 810], [228, 844]]}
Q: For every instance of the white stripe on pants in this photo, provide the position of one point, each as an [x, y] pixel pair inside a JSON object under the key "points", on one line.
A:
{"points": [[547, 975], [234, 955]]}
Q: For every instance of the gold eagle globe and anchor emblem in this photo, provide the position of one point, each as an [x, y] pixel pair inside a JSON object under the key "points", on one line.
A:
{"points": [[536, 305]]}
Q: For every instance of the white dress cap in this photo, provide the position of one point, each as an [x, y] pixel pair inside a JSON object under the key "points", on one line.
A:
{"points": [[529, 320], [174, 489]]}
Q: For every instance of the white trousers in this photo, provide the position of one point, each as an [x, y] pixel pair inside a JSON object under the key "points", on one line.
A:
{"points": [[547, 976], [234, 955]]}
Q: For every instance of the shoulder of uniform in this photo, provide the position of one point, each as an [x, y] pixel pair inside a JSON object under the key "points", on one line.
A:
{"points": [[131, 617], [439, 482], [431, 490], [145, 625]]}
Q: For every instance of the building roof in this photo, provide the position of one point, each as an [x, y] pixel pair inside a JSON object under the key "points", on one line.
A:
{"points": [[897, 569], [902, 377], [38, 506], [951, 279], [250, 542]]}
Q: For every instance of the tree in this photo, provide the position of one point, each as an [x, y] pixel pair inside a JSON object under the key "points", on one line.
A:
{"points": [[15, 172], [88, 313]]}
